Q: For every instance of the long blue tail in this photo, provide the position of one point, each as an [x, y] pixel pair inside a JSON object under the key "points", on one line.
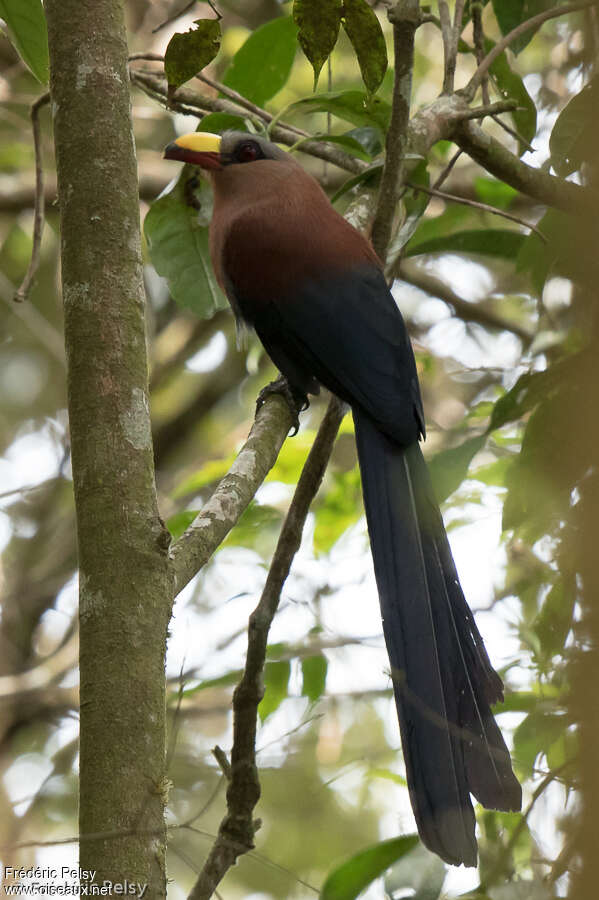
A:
{"points": [[443, 680]]}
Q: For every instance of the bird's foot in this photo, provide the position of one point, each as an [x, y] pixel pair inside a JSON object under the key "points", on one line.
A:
{"points": [[296, 400]]}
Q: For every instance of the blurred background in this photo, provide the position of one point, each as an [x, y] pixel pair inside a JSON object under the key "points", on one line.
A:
{"points": [[329, 750]]}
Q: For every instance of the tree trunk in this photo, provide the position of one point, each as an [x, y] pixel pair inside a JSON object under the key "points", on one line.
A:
{"points": [[125, 586]]}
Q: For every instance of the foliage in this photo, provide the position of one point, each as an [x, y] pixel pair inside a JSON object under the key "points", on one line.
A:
{"points": [[27, 28], [188, 53], [176, 229], [507, 421], [261, 67]]}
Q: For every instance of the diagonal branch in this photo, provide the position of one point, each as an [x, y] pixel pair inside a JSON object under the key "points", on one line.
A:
{"points": [[535, 22], [476, 204], [194, 103], [237, 829], [541, 186], [235, 491]]}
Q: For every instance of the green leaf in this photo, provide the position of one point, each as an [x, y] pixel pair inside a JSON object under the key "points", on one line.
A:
{"points": [[450, 221], [292, 457], [554, 620], [572, 135], [341, 508], [276, 680], [488, 242], [349, 879], [415, 203], [189, 52], [226, 680], [534, 736], [529, 390], [523, 701], [494, 473], [314, 676], [495, 193], [421, 871], [368, 177], [369, 138], [387, 775], [27, 26], [212, 470], [348, 143], [178, 523], [511, 87], [366, 35], [318, 22], [177, 236], [261, 66], [510, 13], [351, 106], [217, 122], [449, 468]]}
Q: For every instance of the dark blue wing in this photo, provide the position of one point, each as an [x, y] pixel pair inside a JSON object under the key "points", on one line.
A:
{"points": [[346, 331]]}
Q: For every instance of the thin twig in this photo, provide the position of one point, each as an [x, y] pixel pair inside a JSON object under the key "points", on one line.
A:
{"points": [[445, 172], [463, 309], [453, 53], [499, 867], [513, 133], [480, 112], [174, 16], [535, 22], [192, 103], [237, 829], [22, 292], [551, 190], [233, 95], [221, 758], [447, 35], [405, 18], [146, 56], [236, 97], [479, 44], [476, 204], [32, 318]]}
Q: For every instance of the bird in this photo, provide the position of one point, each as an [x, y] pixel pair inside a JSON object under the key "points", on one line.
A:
{"points": [[313, 289]]}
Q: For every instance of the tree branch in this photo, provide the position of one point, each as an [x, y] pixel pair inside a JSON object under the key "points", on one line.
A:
{"points": [[125, 585], [498, 869], [405, 18], [233, 95], [476, 204], [234, 492], [447, 35], [454, 40], [22, 293], [467, 312], [547, 189], [469, 91], [199, 104], [236, 832]]}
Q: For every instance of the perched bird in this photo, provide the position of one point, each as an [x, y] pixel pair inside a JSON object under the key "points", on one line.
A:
{"points": [[313, 289]]}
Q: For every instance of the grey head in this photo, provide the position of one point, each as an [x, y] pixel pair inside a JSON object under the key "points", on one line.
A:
{"points": [[239, 147]]}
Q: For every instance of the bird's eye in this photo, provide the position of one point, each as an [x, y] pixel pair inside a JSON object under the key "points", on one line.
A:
{"points": [[247, 152]]}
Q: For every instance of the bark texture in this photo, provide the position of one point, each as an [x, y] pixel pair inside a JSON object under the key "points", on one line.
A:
{"points": [[125, 585]]}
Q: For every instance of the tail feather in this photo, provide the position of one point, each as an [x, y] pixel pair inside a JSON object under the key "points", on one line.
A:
{"points": [[443, 680]]}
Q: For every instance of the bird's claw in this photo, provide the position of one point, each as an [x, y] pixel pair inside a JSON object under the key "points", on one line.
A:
{"points": [[296, 400]]}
